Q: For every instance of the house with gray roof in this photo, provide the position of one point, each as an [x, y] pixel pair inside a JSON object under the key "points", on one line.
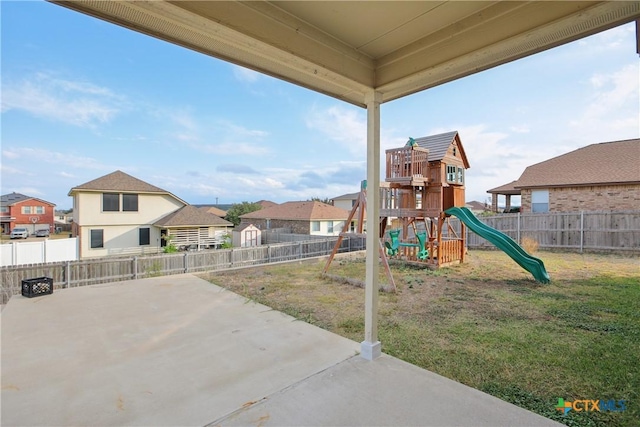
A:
{"points": [[308, 217], [598, 177], [32, 213], [346, 201], [119, 214]]}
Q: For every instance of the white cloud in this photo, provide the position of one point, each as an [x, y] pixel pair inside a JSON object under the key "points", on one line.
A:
{"points": [[245, 75], [520, 129], [232, 149], [10, 154], [613, 104], [31, 191], [9, 170], [76, 103], [38, 155], [340, 124]]}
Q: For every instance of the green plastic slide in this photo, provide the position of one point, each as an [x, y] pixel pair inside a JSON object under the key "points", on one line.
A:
{"points": [[503, 242]]}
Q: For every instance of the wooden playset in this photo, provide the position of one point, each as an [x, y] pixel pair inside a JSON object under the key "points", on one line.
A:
{"points": [[424, 179], [423, 187]]}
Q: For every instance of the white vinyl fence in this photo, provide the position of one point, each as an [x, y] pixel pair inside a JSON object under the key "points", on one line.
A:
{"points": [[21, 253]]}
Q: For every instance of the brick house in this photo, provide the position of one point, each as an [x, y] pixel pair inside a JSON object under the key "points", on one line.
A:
{"points": [[18, 210], [598, 177], [310, 217]]}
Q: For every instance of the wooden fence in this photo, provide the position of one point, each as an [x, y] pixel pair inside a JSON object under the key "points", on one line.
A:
{"points": [[112, 269], [580, 231]]}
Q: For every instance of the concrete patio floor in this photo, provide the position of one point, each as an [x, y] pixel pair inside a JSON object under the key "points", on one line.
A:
{"points": [[179, 351]]}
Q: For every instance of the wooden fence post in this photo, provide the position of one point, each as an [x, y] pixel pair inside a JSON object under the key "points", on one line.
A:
{"points": [[186, 262], [581, 231], [67, 274]]}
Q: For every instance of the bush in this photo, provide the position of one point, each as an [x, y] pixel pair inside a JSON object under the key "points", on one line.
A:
{"points": [[530, 245]]}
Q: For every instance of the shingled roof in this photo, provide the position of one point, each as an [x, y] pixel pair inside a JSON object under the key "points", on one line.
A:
{"points": [[506, 189], [266, 203], [191, 216], [613, 162], [439, 144], [348, 196], [120, 181], [13, 198], [309, 210], [213, 210]]}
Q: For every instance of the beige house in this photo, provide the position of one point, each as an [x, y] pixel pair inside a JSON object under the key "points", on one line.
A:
{"points": [[346, 201], [310, 217], [598, 177], [120, 214]]}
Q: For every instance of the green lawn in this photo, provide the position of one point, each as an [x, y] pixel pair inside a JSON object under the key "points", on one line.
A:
{"points": [[488, 324]]}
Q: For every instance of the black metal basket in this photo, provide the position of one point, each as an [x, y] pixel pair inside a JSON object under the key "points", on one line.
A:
{"points": [[36, 287]]}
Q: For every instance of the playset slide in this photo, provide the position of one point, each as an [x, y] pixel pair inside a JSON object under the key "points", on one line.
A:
{"points": [[503, 242]]}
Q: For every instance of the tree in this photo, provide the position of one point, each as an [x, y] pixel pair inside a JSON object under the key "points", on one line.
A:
{"points": [[237, 209], [326, 200]]}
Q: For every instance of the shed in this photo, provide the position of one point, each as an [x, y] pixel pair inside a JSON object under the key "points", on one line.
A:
{"points": [[247, 236]]}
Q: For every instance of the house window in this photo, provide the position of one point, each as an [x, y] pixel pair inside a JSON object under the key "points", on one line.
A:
{"points": [[97, 239], [451, 174], [130, 203], [460, 175], [110, 202], [26, 210], [329, 226], [315, 225], [539, 201], [4, 209], [144, 236], [40, 210]]}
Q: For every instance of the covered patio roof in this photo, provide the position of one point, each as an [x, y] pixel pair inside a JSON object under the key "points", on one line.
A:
{"points": [[365, 53], [346, 48]]}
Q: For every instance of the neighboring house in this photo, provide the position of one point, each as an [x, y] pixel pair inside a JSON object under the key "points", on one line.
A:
{"points": [[266, 203], [18, 210], [598, 177], [118, 213], [506, 190], [213, 210], [63, 221], [346, 201], [247, 236], [476, 207], [193, 228], [309, 217], [61, 217]]}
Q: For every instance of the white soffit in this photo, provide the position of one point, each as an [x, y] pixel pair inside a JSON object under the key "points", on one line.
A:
{"points": [[347, 48]]}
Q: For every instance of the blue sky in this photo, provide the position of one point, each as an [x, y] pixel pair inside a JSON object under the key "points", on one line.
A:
{"points": [[82, 98]]}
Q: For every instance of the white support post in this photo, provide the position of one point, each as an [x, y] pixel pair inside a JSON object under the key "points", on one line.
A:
{"points": [[371, 348]]}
